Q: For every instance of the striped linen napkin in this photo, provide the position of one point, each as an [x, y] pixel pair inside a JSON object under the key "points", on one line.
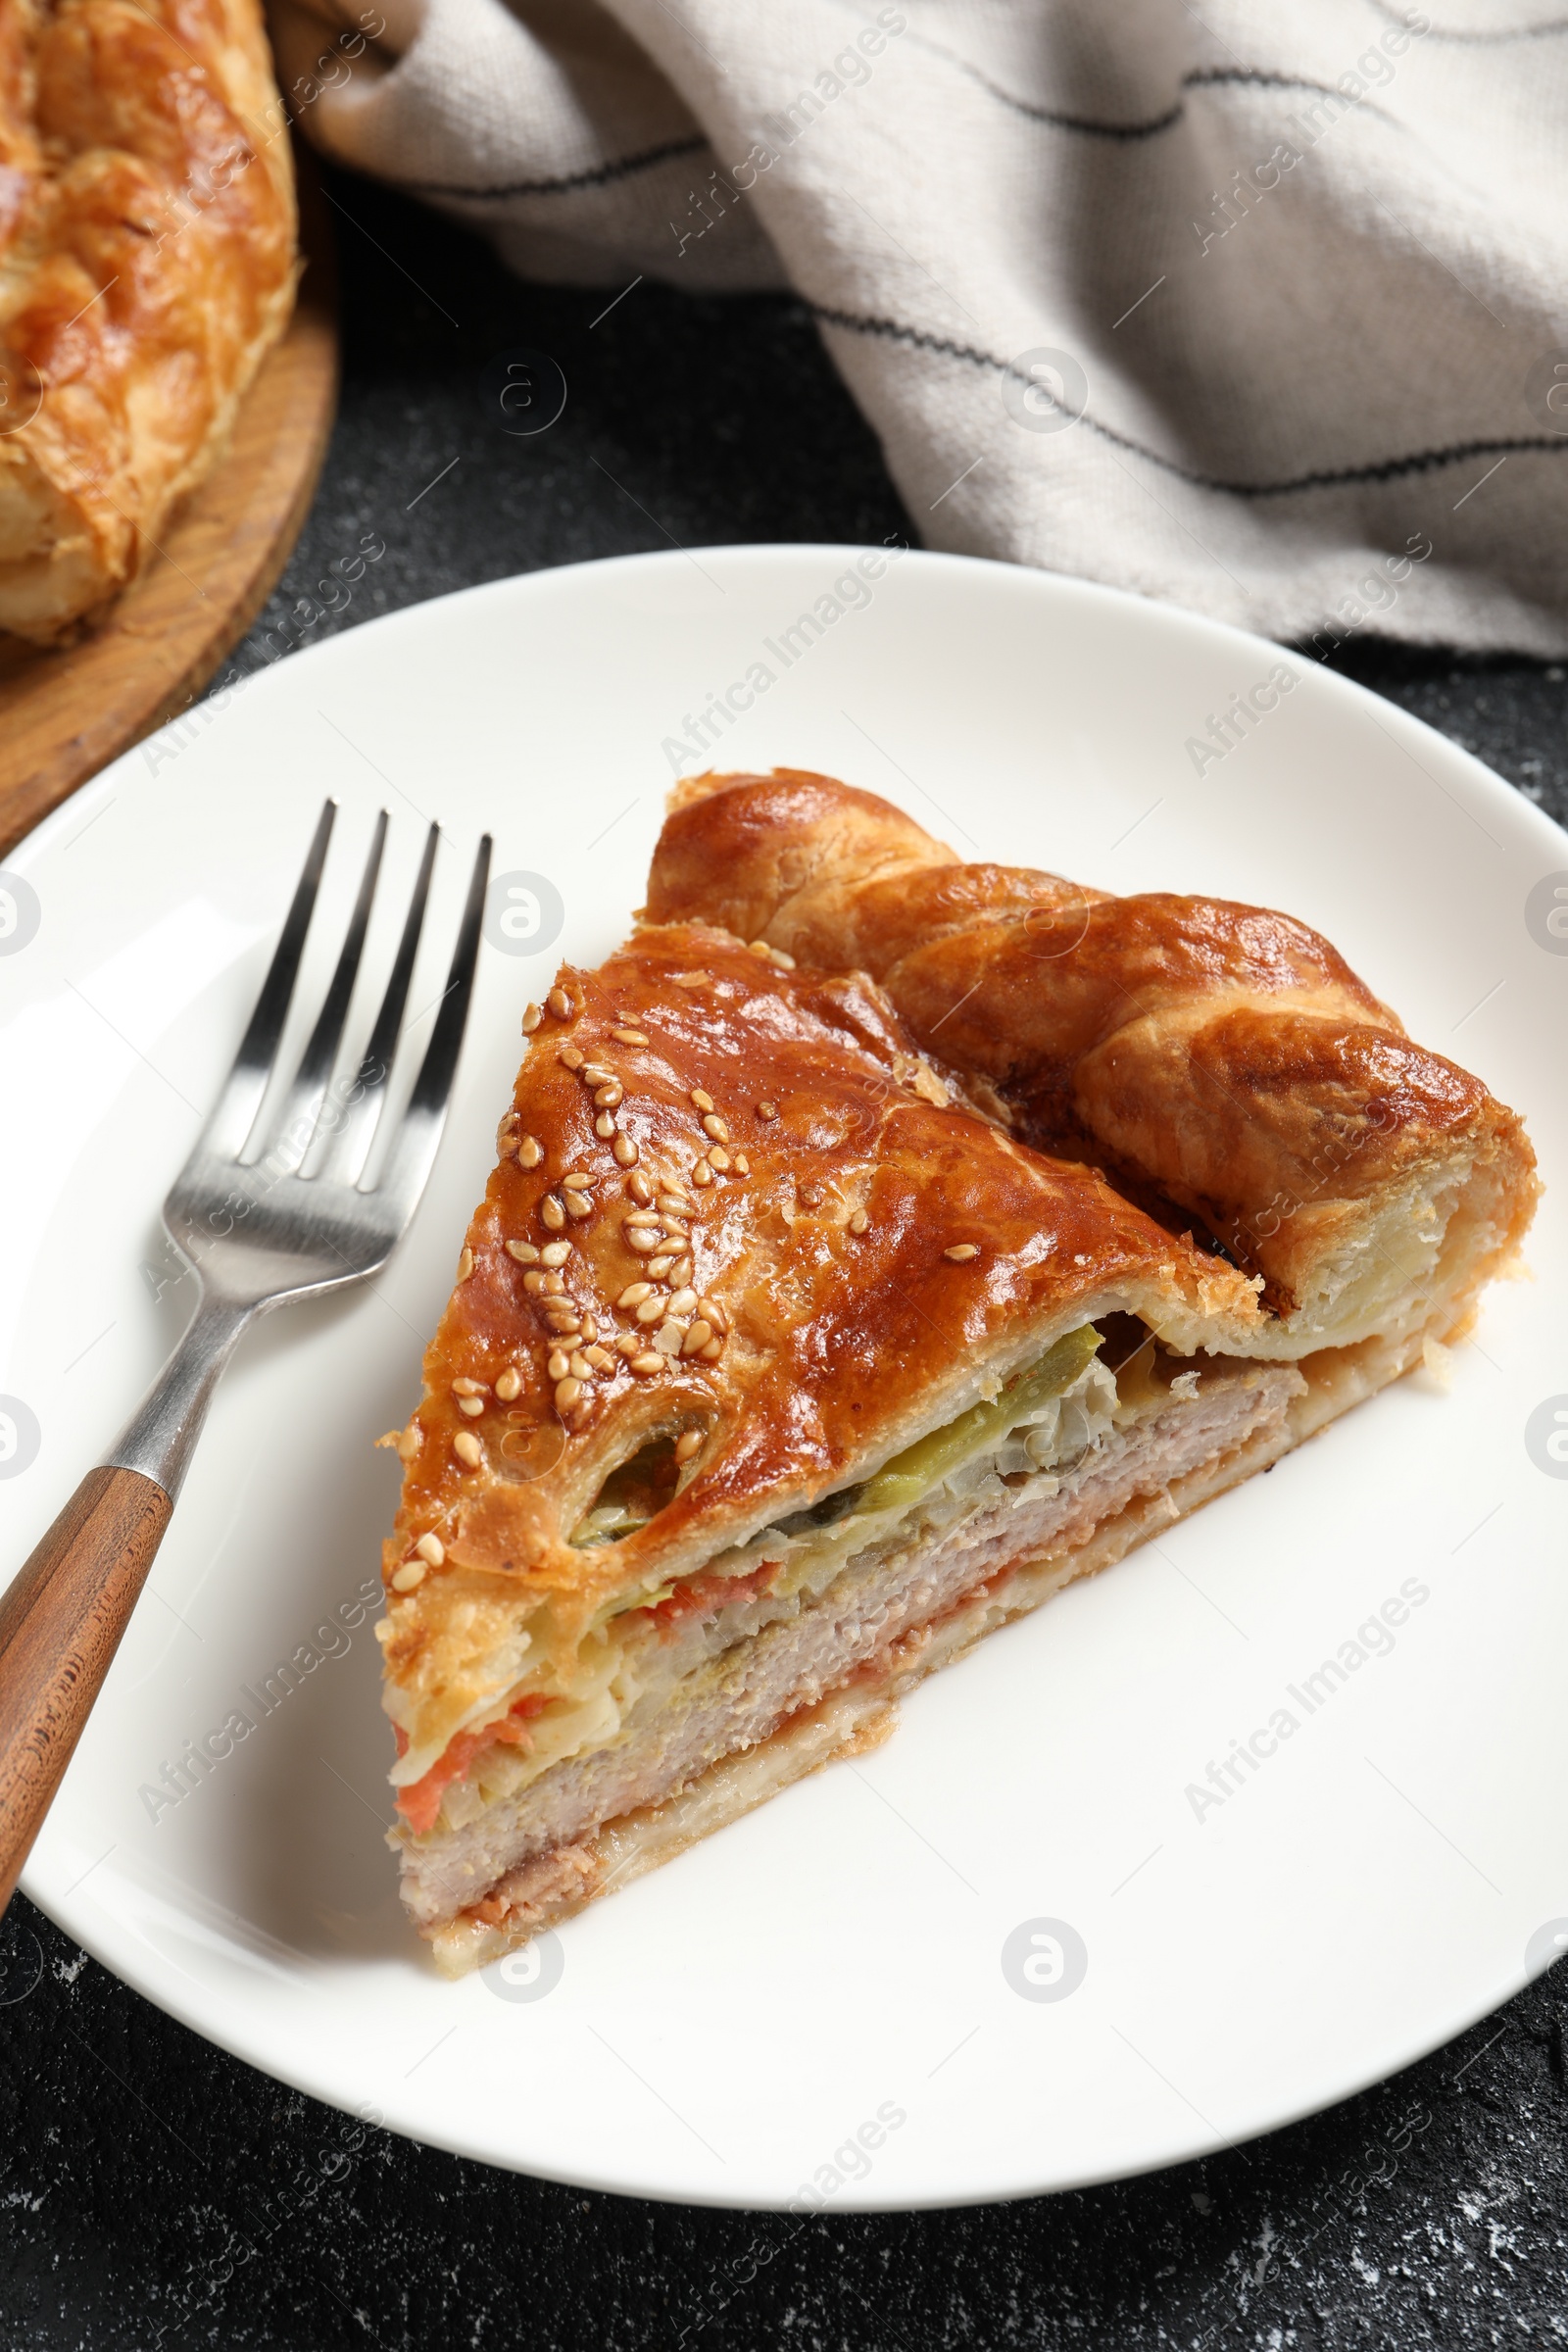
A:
{"points": [[1260, 310]]}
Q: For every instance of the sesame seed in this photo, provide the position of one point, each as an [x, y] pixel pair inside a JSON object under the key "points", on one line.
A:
{"points": [[714, 1126], [530, 1151], [411, 1442], [526, 1254], [474, 1406], [625, 1150], [647, 1361], [652, 1309], [639, 1188], [557, 1364], [629, 1343], [508, 1384], [701, 1174], [431, 1548], [552, 1284], [568, 1392], [859, 1221], [580, 1366], [629, 1036], [687, 1446], [578, 1181], [570, 1056], [697, 1337], [962, 1250], [611, 1097], [466, 1265], [558, 1003], [464, 1387], [767, 1110], [467, 1449], [643, 1242], [680, 1272], [743, 1166], [659, 1267], [554, 1216], [786, 963], [600, 1357], [718, 1159], [669, 1337], [578, 1204], [641, 1220], [594, 1073], [682, 1303], [507, 1136], [604, 1125], [556, 1253], [634, 1293], [674, 1205], [760, 946], [702, 1101], [531, 1018], [590, 1327], [713, 1350], [692, 979], [714, 1312], [565, 1323], [534, 1282], [676, 1228], [405, 1579]]}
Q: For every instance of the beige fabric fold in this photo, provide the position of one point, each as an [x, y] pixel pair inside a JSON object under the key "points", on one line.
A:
{"points": [[1259, 311]]}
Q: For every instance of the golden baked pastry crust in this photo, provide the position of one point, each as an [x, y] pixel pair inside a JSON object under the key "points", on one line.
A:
{"points": [[147, 265], [835, 1347], [1220, 1057]]}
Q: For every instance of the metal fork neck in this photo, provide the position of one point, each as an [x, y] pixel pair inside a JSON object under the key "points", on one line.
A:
{"points": [[159, 1438]]}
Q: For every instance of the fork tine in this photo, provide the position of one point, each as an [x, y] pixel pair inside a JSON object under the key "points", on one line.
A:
{"points": [[295, 1127], [409, 1161], [235, 1112], [355, 1135]]}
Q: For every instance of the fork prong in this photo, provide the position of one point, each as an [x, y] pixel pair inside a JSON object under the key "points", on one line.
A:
{"points": [[408, 1163], [235, 1112], [356, 1132], [294, 1129]]}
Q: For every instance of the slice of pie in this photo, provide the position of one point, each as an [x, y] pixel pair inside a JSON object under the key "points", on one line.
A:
{"points": [[146, 267], [771, 1380], [1221, 1063]]}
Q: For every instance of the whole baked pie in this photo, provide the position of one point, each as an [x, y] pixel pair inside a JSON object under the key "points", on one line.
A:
{"points": [[147, 265]]}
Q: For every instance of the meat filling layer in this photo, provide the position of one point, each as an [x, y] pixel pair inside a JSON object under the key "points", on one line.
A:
{"points": [[839, 1598]]}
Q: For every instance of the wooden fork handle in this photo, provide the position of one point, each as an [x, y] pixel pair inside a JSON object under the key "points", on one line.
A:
{"points": [[60, 1621]]}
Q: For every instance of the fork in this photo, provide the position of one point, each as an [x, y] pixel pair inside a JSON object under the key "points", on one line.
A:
{"points": [[264, 1210]]}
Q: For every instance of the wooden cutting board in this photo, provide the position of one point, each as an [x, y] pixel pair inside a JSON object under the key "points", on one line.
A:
{"points": [[65, 713]]}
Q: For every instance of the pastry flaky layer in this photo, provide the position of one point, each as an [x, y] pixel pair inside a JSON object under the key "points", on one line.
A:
{"points": [[1216, 1060], [147, 265], [742, 1250]]}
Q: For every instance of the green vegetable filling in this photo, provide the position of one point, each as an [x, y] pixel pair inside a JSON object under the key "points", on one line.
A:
{"points": [[911, 1474], [638, 1491]]}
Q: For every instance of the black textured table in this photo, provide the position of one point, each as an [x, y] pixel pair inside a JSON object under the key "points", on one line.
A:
{"points": [[156, 2193]]}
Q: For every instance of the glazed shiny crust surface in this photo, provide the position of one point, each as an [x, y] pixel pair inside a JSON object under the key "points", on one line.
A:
{"points": [[147, 263], [1218, 1056], [858, 1256]]}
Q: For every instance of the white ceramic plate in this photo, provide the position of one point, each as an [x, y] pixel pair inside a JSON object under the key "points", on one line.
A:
{"points": [[819, 2003]]}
